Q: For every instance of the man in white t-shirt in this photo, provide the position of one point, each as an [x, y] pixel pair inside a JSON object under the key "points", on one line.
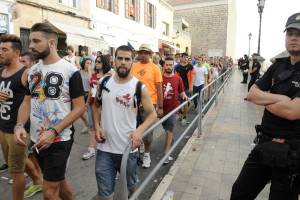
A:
{"points": [[200, 79], [118, 125]]}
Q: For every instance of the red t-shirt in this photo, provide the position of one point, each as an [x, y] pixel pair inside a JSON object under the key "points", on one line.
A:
{"points": [[93, 83], [171, 87]]}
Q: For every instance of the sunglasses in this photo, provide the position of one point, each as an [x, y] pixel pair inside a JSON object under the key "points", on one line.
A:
{"points": [[98, 61]]}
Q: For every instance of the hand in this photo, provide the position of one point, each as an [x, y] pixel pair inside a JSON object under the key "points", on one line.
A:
{"points": [[90, 68], [136, 137], [160, 112], [191, 90], [44, 141], [4, 96], [19, 136], [99, 135], [185, 98]]}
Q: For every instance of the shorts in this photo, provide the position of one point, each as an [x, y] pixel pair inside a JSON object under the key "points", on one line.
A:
{"points": [[170, 123], [90, 118], [149, 138], [14, 155], [186, 93], [29, 148], [106, 167], [53, 160]]}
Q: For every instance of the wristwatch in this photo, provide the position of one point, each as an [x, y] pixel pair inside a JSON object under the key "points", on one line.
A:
{"points": [[160, 107]]}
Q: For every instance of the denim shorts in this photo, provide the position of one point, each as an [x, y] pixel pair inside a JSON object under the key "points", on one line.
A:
{"points": [[187, 94], [107, 165], [90, 118]]}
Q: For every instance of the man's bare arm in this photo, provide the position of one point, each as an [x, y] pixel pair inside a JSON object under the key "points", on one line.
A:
{"points": [[286, 109]]}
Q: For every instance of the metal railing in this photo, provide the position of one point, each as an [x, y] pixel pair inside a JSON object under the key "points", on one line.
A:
{"points": [[214, 97]]}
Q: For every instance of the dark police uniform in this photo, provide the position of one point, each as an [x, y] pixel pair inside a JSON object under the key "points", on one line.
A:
{"points": [[273, 158], [246, 67], [254, 75]]}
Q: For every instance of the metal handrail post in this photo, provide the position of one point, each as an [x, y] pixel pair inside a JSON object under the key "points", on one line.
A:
{"points": [[216, 90], [200, 110]]}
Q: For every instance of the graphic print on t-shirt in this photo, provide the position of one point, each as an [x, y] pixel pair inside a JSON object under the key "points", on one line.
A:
{"points": [[46, 86], [141, 72], [168, 91], [123, 98], [5, 106]]}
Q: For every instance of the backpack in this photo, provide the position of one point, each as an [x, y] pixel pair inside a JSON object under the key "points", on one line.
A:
{"points": [[136, 101]]}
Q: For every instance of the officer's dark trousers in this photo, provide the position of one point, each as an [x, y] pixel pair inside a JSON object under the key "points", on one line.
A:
{"points": [[245, 77], [254, 176], [251, 82]]}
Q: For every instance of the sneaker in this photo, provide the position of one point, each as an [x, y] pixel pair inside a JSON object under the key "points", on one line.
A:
{"points": [[28, 185], [88, 154], [85, 129], [142, 147], [167, 160], [180, 116], [146, 162], [183, 122], [32, 190], [196, 108], [3, 168]]}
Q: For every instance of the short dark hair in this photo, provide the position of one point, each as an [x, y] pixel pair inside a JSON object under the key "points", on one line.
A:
{"points": [[83, 62], [70, 48], [15, 41], [29, 55], [124, 48], [99, 52], [177, 54], [185, 54], [169, 58], [48, 31], [105, 64]]}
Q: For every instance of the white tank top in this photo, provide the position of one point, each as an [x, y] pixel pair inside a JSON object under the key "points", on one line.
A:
{"points": [[118, 118], [71, 60]]}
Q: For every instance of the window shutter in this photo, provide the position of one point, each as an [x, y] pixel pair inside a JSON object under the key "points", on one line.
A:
{"points": [[146, 13], [127, 9], [154, 17], [138, 7], [100, 3], [116, 6]]}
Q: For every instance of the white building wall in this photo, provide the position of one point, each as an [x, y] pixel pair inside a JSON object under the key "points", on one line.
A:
{"points": [[4, 9], [120, 29]]}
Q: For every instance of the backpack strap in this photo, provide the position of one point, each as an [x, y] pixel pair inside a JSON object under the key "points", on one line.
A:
{"points": [[137, 101], [102, 86]]}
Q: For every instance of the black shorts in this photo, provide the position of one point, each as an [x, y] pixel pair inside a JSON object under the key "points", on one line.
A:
{"points": [[53, 161]]}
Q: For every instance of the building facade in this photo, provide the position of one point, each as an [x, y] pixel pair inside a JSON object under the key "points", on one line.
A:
{"points": [[181, 36], [6, 25], [126, 22], [212, 25]]}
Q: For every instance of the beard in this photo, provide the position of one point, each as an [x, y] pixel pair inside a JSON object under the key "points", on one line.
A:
{"points": [[43, 54], [5, 62], [122, 74], [168, 71]]}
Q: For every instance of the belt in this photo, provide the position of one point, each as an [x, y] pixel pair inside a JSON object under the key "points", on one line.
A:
{"points": [[293, 142]]}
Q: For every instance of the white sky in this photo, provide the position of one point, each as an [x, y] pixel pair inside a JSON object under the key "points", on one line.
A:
{"points": [[274, 17]]}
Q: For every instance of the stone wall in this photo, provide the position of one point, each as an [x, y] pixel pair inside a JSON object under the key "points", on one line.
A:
{"points": [[208, 27]]}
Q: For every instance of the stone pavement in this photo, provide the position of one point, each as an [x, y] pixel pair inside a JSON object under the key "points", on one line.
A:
{"points": [[208, 166]]}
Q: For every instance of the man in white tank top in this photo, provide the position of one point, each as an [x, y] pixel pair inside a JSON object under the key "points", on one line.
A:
{"points": [[71, 58], [118, 125]]}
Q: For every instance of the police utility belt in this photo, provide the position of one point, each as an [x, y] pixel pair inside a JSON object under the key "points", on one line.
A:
{"points": [[278, 152]]}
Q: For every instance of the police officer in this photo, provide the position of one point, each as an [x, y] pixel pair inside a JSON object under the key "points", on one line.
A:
{"points": [[245, 68], [276, 157], [255, 70]]}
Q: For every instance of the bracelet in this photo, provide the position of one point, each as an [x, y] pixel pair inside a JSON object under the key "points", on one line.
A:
{"points": [[54, 131], [160, 107], [18, 126]]}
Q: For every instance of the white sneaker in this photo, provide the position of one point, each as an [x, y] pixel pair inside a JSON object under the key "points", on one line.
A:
{"points": [[146, 162], [168, 159], [85, 129], [11, 180], [142, 147], [88, 154]]}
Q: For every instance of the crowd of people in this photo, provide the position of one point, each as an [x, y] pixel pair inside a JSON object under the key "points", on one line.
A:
{"points": [[43, 93]]}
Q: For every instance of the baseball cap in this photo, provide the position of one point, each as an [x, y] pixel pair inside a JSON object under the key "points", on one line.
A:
{"points": [[293, 22]]}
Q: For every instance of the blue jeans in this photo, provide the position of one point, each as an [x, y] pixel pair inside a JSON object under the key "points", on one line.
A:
{"points": [[107, 165], [197, 89]]}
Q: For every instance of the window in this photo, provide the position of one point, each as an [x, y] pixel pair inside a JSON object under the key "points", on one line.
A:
{"points": [[110, 5], [165, 29], [132, 10], [150, 15], [24, 36], [71, 3]]}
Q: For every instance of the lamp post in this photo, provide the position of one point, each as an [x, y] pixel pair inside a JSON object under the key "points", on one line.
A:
{"points": [[260, 5], [250, 35]]}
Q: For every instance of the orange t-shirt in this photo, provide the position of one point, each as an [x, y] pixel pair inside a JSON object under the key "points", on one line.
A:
{"points": [[149, 74]]}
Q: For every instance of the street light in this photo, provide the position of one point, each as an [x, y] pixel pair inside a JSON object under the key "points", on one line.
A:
{"points": [[260, 5], [177, 34], [250, 35]]}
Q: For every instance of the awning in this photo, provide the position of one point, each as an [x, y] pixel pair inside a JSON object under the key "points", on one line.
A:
{"points": [[111, 40], [173, 47], [133, 44], [80, 36]]}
